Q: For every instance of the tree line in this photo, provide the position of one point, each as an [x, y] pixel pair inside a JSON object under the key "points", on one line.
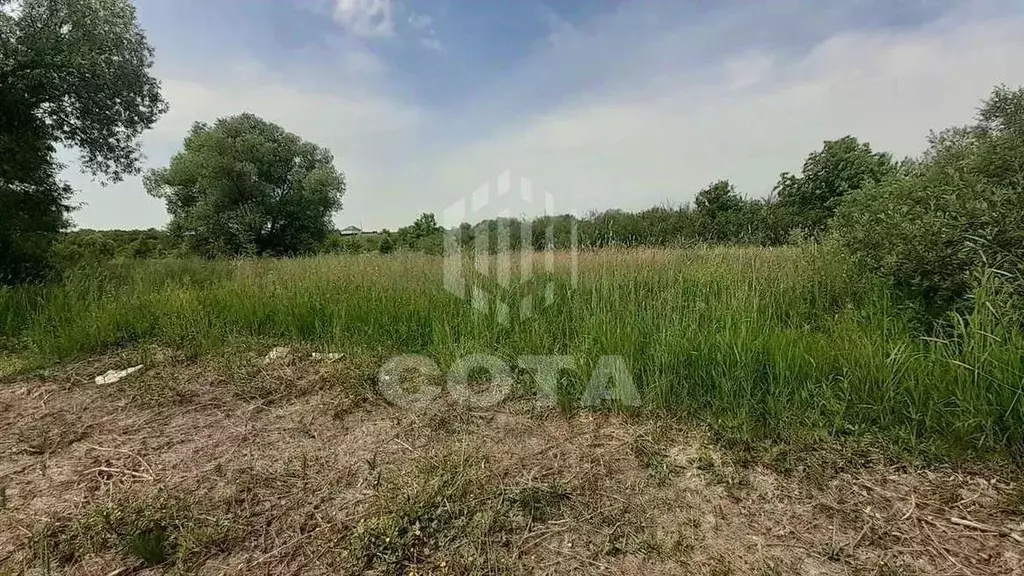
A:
{"points": [[77, 73], [799, 209]]}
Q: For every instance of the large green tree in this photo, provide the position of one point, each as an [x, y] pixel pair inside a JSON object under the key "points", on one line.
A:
{"points": [[247, 186], [73, 73], [841, 167]]}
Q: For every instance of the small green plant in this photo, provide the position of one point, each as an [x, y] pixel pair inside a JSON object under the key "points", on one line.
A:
{"points": [[539, 504], [157, 530], [652, 457], [444, 515], [428, 510]]}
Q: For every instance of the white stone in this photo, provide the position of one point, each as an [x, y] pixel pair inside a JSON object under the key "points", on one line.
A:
{"points": [[112, 376], [277, 354], [327, 356]]}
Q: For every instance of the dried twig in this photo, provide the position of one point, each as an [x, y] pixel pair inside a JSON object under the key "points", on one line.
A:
{"points": [[578, 557], [132, 454], [987, 528], [856, 540], [913, 505], [942, 549], [119, 471], [286, 545]]}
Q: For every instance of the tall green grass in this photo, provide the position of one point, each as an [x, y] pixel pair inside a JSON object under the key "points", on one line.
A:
{"points": [[768, 343]]}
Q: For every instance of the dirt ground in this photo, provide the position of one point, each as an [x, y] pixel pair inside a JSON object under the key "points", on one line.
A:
{"points": [[229, 465]]}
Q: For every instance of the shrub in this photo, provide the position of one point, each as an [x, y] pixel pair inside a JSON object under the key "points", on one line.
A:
{"points": [[958, 209], [928, 238]]}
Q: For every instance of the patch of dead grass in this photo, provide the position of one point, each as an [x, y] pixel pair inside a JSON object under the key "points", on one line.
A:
{"points": [[299, 469]]}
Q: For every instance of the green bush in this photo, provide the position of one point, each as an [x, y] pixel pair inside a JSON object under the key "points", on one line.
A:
{"points": [[957, 210], [928, 238]]}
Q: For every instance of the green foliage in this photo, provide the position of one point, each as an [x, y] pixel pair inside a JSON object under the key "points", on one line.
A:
{"points": [[246, 186], [424, 235], [957, 209], [159, 530], [82, 66], [351, 244], [386, 245], [717, 199], [425, 225], [90, 247], [33, 203], [778, 344], [722, 215], [840, 168], [657, 226], [74, 73]]}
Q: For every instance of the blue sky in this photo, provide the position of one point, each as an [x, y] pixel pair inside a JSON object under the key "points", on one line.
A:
{"points": [[601, 103]]}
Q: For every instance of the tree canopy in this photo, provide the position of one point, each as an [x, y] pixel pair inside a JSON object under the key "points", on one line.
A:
{"points": [[247, 186], [718, 212], [82, 67], [841, 167], [74, 73]]}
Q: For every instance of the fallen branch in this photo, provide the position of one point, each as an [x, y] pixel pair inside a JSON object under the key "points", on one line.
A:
{"points": [[986, 528], [119, 471]]}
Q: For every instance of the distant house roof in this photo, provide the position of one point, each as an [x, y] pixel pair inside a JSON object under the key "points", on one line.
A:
{"points": [[350, 230]]}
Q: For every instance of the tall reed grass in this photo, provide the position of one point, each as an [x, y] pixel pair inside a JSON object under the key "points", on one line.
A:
{"points": [[766, 343]]}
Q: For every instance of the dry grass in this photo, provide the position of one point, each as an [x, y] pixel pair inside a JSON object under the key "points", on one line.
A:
{"points": [[226, 465]]}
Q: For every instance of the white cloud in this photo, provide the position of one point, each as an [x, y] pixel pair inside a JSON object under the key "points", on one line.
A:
{"points": [[425, 25], [431, 43], [367, 18], [627, 137], [420, 21], [376, 19], [634, 142]]}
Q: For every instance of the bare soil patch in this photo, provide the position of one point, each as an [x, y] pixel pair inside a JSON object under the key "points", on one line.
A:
{"points": [[229, 465]]}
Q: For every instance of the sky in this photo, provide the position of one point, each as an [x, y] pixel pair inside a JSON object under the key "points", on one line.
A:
{"points": [[598, 103]]}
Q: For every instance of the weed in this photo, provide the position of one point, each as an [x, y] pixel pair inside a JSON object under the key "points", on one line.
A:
{"points": [[155, 530], [433, 510], [652, 457], [538, 504], [446, 512]]}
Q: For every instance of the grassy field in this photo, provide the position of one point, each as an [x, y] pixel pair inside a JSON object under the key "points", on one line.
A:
{"points": [[780, 395], [783, 344]]}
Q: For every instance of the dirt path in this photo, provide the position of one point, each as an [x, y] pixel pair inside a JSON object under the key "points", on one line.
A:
{"points": [[294, 468]]}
